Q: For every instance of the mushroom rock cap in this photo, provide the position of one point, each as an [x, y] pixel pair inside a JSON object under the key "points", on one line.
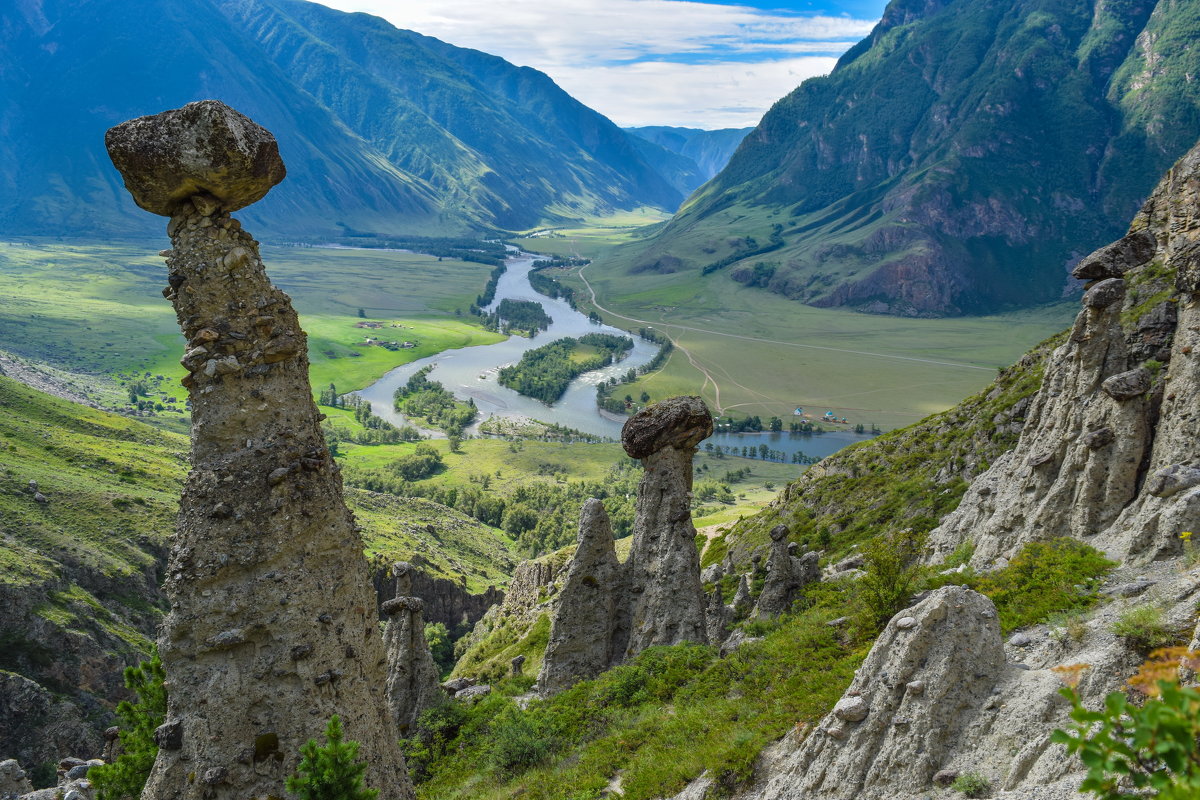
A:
{"points": [[203, 148], [779, 533], [679, 422]]}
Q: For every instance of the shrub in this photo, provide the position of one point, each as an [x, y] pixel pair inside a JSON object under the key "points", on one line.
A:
{"points": [[971, 784], [1043, 578], [1068, 625], [516, 743], [331, 772], [891, 577], [1149, 747], [1144, 628], [126, 776]]}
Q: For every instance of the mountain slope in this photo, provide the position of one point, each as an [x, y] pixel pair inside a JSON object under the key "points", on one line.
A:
{"points": [[709, 150], [381, 129], [958, 160]]}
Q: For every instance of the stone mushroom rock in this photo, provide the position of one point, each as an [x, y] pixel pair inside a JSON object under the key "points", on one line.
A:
{"points": [[742, 602], [413, 682], [664, 566], [717, 617], [205, 148], [273, 626], [909, 703], [585, 624]]}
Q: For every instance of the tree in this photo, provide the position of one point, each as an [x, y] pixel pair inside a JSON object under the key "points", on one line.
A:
{"points": [[645, 398], [455, 442], [776, 424], [331, 772], [362, 314], [126, 777]]}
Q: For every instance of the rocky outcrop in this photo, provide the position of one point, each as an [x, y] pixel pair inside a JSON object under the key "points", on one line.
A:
{"points": [[446, 601], [786, 575], [1108, 452], [13, 781], [413, 682], [911, 699], [583, 634], [38, 726], [273, 626], [664, 566]]}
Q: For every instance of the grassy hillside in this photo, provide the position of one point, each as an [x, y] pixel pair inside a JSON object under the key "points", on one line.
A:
{"points": [[120, 328]]}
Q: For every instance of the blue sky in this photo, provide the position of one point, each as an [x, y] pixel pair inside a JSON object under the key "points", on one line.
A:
{"points": [[694, 63]]}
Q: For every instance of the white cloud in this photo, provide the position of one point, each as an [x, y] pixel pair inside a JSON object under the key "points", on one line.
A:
{"points": [[730, 94], [691, 63]]}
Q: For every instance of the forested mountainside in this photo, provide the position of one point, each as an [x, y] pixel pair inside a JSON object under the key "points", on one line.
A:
{"points": [[382, 129], [959, 160]]}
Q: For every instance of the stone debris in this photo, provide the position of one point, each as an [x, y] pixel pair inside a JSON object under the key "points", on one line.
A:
{"points": [[273, 626], [13, 781], [413, 683]]}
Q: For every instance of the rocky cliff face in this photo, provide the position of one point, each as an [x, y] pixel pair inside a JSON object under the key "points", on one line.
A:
{"points": [[271, 605], [1108, 451], [958, 160]]}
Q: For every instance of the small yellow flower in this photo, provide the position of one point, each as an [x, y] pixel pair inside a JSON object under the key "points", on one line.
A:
{"points": [[1185, 535]]}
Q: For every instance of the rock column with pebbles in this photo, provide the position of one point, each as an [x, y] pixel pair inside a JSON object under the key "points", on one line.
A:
{"points": [[413, 682], [664, 566], [273, 626], [585, 622], [933, 667]]}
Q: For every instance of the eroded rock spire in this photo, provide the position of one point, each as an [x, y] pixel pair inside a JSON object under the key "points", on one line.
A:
{"points": [[664, 566], [413, 682], [273, 626], [584, 627]]}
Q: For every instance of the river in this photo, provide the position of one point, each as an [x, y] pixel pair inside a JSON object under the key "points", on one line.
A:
{"points": [[470, 372]]}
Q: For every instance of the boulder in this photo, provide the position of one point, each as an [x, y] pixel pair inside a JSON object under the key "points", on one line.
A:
{"points": [[205, 148], [910, 702]]}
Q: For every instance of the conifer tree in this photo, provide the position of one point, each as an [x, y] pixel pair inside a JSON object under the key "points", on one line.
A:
{"points": [[127, 775], [330, 772]]}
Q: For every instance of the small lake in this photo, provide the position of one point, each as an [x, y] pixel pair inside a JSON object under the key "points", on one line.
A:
{"points": [[470, 372]]}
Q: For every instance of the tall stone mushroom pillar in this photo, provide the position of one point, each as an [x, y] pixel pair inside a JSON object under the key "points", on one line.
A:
{"points": [[413, 682], [273, 626], [664, 565]]}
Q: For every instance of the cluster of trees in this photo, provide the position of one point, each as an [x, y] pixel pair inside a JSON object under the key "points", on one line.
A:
{"points": [[518, 315], [378, 430], [474, 250], [489, 291], [544, 284], [762, 452], [545, 372], [430, 401], [422, 463], [604, 392]]}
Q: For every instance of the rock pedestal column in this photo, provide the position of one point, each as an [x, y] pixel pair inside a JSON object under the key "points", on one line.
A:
{"points": [[584, 625], [664, 565], [273, 626], [786, 576]]}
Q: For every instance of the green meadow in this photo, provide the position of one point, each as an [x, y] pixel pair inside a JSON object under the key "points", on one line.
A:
{"points": [[96, 308], [750, 352]]}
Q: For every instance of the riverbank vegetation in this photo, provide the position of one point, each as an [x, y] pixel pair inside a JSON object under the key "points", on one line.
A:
{"points": [[518, 316], [430, 401], [545, 372]]}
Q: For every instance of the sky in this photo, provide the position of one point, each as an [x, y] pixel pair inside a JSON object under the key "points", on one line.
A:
{"points": [[692, 63]]}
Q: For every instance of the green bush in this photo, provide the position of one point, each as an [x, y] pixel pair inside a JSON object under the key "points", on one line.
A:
{"points": [[1144, 628], [892, 577], [517, 743], [971, 784], [1152, 747], [331, 772], [1042, 579], [126, 776]]}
